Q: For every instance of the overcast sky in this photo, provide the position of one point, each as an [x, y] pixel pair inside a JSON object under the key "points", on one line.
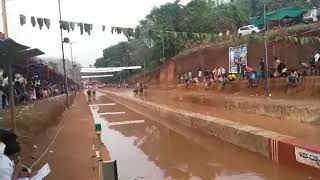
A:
{"points": [[123, 13]]}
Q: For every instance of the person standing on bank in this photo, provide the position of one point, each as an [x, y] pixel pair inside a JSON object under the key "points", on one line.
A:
{"points": [[263, 69]]}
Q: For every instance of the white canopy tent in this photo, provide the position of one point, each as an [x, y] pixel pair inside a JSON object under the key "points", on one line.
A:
{"points": [[108, 69], [96, 76]]}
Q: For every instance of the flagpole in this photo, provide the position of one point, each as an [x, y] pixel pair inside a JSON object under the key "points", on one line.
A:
{"points": [[63, 60]]}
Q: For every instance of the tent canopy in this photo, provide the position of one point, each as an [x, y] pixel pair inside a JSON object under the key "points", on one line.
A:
{"points": [[9, 47], [278, 15], [29, 53]]}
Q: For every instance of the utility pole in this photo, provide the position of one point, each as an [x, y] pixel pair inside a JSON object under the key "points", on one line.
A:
{"points": [[63, 60], [73, 63], [267, 86]]}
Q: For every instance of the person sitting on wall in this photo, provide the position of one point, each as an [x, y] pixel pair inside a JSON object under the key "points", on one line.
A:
{"points": [[232, 77], [205, 75], [140, 88], [195, 80], [186, 78], [200, 74], [313, 66], [281, 68], [215, 75], [303, 68], [292, 78], [181, 80]]}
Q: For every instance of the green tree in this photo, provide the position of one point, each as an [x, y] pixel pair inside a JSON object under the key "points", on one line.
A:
{"points": [[198, 16]]}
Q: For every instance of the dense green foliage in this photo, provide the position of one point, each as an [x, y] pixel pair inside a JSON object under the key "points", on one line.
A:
{"points": [[198, 16]]}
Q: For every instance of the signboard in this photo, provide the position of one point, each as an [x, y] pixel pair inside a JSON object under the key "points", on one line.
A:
{"points": [[237, 54], [109, 170], [98, 128], [306, 157]]}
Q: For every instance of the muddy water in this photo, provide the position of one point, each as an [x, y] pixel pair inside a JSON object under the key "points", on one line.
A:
{"points": [[308, 132], [159, 149]]}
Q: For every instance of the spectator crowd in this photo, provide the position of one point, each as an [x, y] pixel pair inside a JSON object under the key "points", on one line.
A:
{"points": [[27, 90], [279, 69]]}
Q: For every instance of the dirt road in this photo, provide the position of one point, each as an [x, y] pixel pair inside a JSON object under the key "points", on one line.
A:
{"points": [[72, 155]]}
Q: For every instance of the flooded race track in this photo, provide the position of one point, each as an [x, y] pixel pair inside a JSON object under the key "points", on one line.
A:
{"points": [[158, 149]]}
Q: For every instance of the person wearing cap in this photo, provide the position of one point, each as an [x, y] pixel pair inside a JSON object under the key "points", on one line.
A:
{"points": [[9, 152]]}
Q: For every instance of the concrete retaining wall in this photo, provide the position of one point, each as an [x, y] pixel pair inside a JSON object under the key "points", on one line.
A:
{"points": [[302, 112], [274, 146]]}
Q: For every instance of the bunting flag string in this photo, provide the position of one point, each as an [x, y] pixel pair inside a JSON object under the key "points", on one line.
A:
{"points": [[136, 33]]}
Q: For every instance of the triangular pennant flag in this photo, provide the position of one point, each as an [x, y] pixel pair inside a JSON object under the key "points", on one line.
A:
{"points": [[40, 22], [33, 21], [118, 30], [80, 27], [112, 30], [65, 25], [88, 28], [47, 22], [129, 32], [72, 25], [22, 19], [137, 33]]}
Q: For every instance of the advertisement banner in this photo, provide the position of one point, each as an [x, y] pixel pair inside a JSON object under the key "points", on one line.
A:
{"points": [[237, 55], [307, 157]]}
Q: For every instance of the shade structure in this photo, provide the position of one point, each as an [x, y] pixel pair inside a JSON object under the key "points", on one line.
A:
{"points": [[97, 76], [10, 47], [100, 71], [27, 53], [291, 12], [108, 69]]}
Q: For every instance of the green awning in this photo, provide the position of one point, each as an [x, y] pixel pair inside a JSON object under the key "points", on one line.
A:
{"points": [[278, 15], [285, 13]]}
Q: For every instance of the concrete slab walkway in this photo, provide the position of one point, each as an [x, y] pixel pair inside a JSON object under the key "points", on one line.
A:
{"points": [[73, 156]]}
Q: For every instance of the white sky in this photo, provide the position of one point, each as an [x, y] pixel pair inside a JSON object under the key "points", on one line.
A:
{"points": [[123, 13]]}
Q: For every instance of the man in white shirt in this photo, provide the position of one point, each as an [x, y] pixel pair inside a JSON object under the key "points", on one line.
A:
{"points": [[316, 56], [6, 165], [9, 150]]}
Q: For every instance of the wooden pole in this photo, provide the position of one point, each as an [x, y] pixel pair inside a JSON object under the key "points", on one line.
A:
{"points": [[4, 18], [63, 60], [11, 98], [11, 94]]}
